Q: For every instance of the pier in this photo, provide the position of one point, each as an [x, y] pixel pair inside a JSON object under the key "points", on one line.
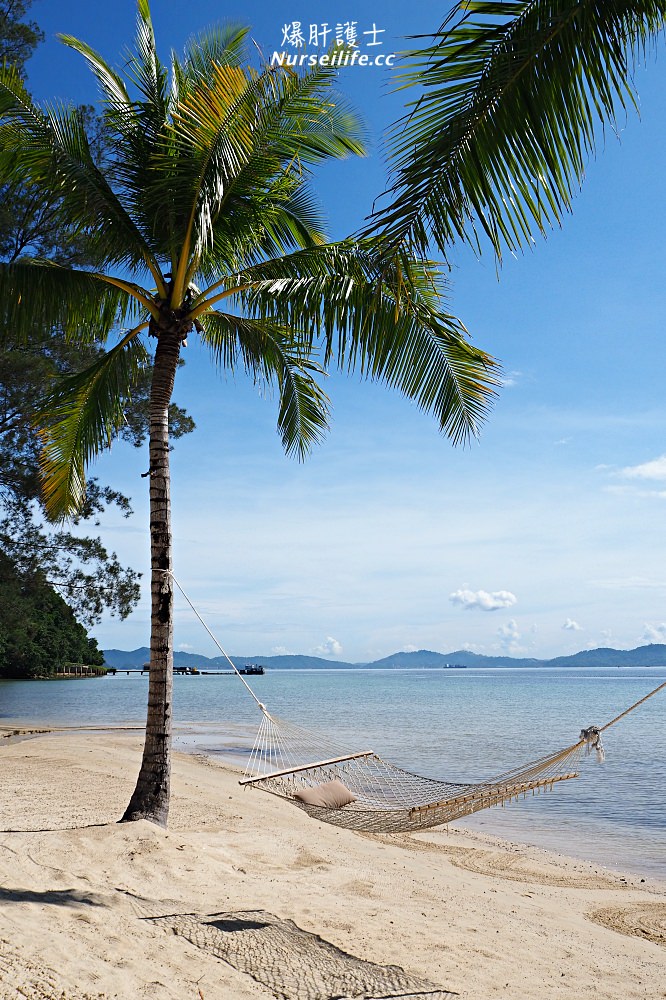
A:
{"points": [[183, 671], [81, 670], [112, 671]]}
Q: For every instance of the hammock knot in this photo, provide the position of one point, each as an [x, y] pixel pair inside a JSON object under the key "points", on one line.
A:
{"points": [[592, 737]]}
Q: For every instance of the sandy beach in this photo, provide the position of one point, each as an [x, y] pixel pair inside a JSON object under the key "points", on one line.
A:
{"points": [[244, 896]]}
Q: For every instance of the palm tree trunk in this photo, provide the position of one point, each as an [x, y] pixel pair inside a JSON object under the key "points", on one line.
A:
{"points": [[150, 799]]}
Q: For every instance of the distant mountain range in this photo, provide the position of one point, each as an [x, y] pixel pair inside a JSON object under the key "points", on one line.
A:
{"points": [[653, 655]]}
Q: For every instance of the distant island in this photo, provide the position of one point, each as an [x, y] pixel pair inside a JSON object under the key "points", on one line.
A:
{"points": [[653, 655]]}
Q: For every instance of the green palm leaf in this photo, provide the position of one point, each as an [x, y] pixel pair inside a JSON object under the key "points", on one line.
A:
{"points": [[381, 316], [512, 98], [112, 85], [146, 71], [51, 148], [80, 419], [40, 296], [218, 45], [241, 141], [272, 354]]}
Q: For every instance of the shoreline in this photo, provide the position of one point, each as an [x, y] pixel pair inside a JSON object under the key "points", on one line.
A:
{"points": [[104, 910], [232, 756]]}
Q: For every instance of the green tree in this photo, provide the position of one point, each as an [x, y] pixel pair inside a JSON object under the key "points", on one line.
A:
{"points": [[38, 630], [204, 222], [509, 99], [80, 568], [18, 38], [91, 579], [78, 565]]}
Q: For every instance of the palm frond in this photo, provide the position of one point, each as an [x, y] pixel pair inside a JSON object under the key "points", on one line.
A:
{"points": [[12, 90], [381, 315], [51, 149], [80, 419], [38, 296], [237, 134], [273, 354], [513, 95], [218, 45], [111, 83], [145, 69], [287, 218]]}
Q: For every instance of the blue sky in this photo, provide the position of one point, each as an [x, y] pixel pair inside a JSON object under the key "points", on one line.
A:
{"points": [[544, 537]]}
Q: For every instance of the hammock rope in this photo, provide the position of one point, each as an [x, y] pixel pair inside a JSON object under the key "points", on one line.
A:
{"points": [[286, 759]]}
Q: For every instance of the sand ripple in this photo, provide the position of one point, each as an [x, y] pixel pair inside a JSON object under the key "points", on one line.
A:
{"points": [[513, 865], [646, 920]]}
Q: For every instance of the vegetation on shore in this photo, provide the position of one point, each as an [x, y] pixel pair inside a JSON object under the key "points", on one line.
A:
{"points": [[39, 634], [60, 565], [74, 563]]}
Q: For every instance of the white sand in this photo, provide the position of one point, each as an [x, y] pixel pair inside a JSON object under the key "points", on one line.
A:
{"points": [[93, 909]]}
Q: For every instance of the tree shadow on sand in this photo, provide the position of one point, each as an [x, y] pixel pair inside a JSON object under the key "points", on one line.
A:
{"points": [[52, 897]]}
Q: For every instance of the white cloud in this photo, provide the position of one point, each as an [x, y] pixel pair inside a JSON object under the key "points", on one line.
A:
{"points": [[410, 648], [510, 635], [330, 647], [572, 626], [654, 633], [656, 469], [511, 379], [483, 600], [184, 646], [280, 651], [605, 639]]}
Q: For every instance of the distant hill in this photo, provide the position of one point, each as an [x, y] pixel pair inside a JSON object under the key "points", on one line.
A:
{"points": [[425, 658], [133, 658], [653, 655]]}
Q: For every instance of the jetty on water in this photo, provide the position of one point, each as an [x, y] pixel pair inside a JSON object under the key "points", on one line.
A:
{"points": [[81, 670], [255, 669]]}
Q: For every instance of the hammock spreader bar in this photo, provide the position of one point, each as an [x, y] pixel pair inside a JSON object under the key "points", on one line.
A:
{"points": [[305, 767]]}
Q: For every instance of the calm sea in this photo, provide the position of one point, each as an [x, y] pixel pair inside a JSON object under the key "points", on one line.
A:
{"points": [[462, 725]]}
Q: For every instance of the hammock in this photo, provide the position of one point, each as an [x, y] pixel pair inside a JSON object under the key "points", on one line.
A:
{"points": [[370, 794], [384, 798]]}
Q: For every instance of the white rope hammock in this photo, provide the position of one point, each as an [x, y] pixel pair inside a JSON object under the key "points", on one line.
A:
{"points": [[376, 796]]}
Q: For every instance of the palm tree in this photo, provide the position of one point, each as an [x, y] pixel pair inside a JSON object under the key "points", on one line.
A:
{"points": [[512, 94], [203, 222]]}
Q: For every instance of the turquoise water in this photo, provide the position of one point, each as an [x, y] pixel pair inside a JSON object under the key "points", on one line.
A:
{"points": [[461, 725]]}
